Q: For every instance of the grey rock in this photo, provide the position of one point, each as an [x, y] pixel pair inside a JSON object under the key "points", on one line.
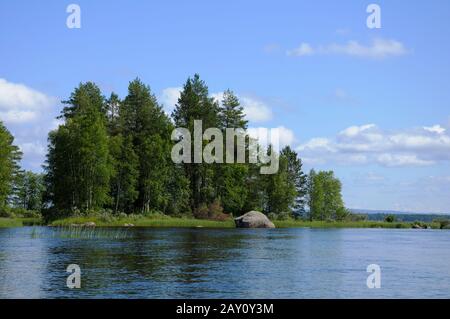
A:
{"points": [[89, 224], [253, 219]]}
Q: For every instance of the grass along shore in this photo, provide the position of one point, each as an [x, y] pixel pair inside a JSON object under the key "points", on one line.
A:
{"points": [[167, 221], [19, 222]]}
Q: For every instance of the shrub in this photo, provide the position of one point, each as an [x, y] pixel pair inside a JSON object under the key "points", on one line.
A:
{"points": [[443, 223], [23, 213], [201, 212], [122, 215], [389, 218], [6, 212], [283, 216], [213, 211], [215, 208]]}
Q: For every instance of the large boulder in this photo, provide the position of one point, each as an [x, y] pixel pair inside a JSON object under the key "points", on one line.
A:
{"points": [[253, 219]]}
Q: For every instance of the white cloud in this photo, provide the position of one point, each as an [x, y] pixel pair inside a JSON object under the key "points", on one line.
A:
{"points": [[255, 110], [355, 130], [378, 49], [369, 144], [33, 148], [17, 117], [402, 160], [434, 129], [278, 136], [29, 115], [286, 135], [169, 98], [21, 104], [302, 50]]}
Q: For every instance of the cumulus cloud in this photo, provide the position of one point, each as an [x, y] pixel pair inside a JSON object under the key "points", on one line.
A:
{"points": [[377, 49], [254, 109], [435, 129], [33, 148], [17, 116], [169, 97], [370, 144], [20, 103], [302, 50], [279, 136], [29, 115]]}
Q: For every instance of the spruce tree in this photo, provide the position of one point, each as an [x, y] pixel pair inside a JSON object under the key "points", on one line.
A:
{"points": [[149, 128], [195, 104]]}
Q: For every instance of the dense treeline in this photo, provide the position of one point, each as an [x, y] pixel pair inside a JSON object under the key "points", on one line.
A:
{"points": [[115, 154]]}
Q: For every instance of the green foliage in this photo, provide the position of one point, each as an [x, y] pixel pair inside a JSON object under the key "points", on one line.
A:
{"points": [[113, 156], [78, 166], [9, 165], [443, 224], [231, 112], [212, 211], [125, 173], [389, 219], [286, 190], [195, 104], [28, 191], [324, 197], [149, 128], [356, 217]]}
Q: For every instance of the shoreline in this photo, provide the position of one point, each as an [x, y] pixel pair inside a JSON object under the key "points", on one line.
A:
{"points": [[183, 222]]}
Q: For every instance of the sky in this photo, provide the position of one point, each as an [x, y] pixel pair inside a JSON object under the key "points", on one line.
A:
{"points": [[372, 104]]}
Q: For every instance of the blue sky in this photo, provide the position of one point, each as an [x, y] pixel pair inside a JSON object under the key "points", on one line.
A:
{"points": [[371, 104]]}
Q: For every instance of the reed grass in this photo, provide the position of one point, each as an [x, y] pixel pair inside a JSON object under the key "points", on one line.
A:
{"points": [[78, 232]]}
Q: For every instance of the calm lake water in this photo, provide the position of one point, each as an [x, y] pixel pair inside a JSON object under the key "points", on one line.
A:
{"points": [[228, 263]]}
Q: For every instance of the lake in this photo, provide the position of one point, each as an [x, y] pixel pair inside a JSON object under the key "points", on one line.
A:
{"points": [[226, 263]]}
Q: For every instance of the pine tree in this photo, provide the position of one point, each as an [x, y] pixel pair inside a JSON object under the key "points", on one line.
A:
{"points": [[280, 189], [310, 192], [195, 104], [231, 178], [231, 112], [124, 180], [297, 180], [144, 120], [112, 108], [10, 156]]}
